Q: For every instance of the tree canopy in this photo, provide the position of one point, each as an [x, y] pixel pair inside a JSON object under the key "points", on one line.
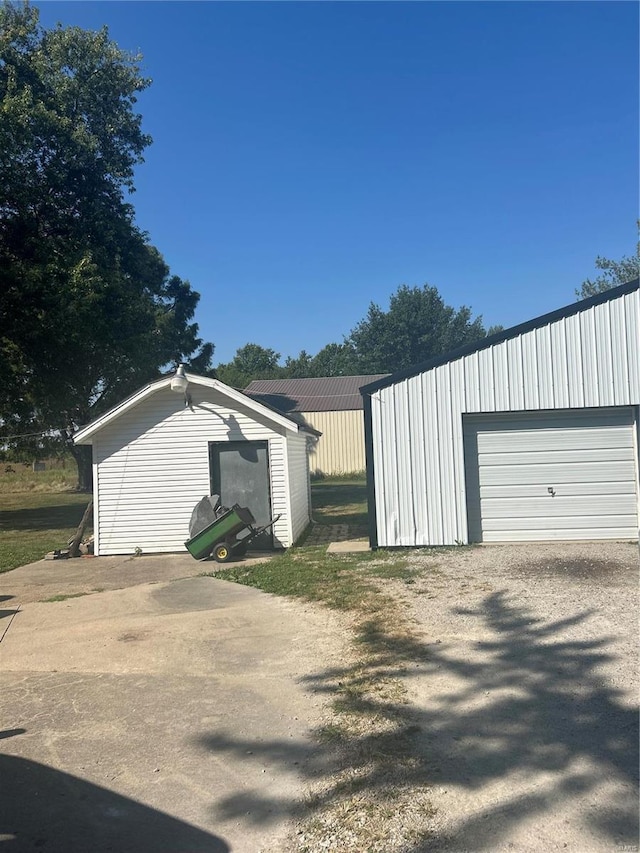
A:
{"points": [[612, 273], [89, 310], [250, 362], [417, 326]]}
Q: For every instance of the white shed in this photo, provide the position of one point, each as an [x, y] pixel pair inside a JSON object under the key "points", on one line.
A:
{"points": [[531, 434], [158, 452]]}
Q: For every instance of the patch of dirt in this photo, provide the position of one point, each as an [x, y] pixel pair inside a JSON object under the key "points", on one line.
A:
{"points": [[577, 568]]}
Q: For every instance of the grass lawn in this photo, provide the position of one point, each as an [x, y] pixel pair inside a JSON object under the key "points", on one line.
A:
{"points": [[38, 512], [340, 501], [32, 523]]}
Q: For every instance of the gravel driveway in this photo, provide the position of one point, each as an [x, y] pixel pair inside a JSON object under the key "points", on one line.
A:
{"points": [[526, 695]]}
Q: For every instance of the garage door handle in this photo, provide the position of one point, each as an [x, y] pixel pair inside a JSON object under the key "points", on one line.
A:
{"points": [[551, 491]]}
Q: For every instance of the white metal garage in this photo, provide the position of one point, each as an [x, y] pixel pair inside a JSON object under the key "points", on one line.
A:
{"points": [[551, 475], [531, 434]]}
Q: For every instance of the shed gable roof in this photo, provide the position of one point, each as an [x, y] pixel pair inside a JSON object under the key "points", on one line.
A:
{"points": [[85, 434], [506, 334], [321, 394]]}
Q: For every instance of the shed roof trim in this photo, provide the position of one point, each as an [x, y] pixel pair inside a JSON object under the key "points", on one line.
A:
{"points": [[83, 435], [499, 337]]}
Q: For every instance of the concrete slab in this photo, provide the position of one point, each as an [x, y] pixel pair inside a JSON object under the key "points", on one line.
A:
{"points": [[164, 717], [351, 546], [46, 578]]}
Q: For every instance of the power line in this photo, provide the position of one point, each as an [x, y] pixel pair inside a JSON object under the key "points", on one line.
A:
{"points": [[29, 434]]}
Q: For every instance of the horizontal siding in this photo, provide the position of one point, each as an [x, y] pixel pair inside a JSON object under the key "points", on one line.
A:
{"points": [[588, 360], [340, 448], [279, 492], [152, 467], [299, 488]]}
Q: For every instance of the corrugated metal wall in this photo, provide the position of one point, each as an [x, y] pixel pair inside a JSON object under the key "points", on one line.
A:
{"points": [[152, 466], [340, 448], [589, 359]]}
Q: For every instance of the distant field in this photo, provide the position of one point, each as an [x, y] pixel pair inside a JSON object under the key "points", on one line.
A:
{"points": [[58, 476], [39, 512]]}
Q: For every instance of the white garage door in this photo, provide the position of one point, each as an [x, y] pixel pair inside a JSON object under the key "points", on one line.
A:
{"points": [[552, 475]]}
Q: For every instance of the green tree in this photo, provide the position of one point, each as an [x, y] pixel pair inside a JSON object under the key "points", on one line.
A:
{"points": [[332, 360], [88, 309], [612, 273], [250, 362], [418, 326]]}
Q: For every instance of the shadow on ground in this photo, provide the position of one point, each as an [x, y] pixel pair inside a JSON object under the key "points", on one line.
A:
{"points": [[531, 703], [45, 809], [42, 518]]}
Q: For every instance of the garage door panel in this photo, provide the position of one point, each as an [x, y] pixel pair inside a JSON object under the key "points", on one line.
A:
{"points": [[549, 440], [575, 522], [561, 535], [558, 457], [587, 457], [550, 474], [539, 507], [568, 489]]}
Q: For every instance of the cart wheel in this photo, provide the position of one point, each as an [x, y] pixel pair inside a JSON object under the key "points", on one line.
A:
{"points": [[222, 552]]}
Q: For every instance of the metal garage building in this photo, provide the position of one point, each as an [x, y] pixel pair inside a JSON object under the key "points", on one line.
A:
{"points": [[531, 434]]}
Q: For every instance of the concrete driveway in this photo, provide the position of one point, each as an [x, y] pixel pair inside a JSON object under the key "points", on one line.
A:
{"points": [[164, 716]]}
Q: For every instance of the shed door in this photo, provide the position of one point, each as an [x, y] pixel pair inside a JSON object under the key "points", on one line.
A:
{"points": [[240, 475], [551, 475]]}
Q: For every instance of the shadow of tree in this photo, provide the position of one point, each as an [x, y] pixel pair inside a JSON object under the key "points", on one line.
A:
{"points": [[43, 518], [530, 703]]}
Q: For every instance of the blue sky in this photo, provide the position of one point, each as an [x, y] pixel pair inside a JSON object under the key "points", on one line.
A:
{"points": [[310, 157]]}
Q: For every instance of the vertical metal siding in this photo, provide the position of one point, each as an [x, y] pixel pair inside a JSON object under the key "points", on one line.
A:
{"points": [[153, 466], [588, 360]]}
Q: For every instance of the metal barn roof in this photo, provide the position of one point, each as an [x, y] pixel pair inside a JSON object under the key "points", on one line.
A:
{"points": [[324, 394]]}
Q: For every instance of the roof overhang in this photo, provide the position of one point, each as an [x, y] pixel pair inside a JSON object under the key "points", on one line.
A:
{"points": [[85, 434]]}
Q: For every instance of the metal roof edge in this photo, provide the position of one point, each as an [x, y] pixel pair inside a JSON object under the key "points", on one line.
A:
{"points": [[504, 335]]}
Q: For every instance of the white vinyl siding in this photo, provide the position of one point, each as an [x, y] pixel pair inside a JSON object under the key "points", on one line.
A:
{"points": [[299, 492], [340, 448], [590, 359], [152, 466], [552, 475]]}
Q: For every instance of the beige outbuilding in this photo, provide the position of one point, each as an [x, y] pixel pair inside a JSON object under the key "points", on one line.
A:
{"points": [[333, 406]]}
